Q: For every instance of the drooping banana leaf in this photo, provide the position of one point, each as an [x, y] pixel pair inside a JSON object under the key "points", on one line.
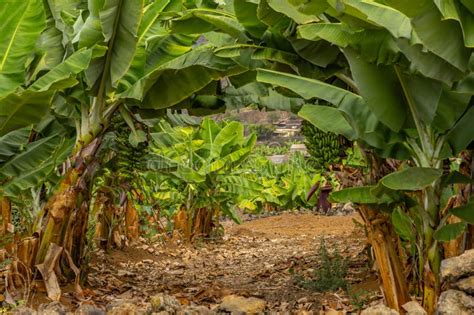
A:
{"points": [[35, 164]]}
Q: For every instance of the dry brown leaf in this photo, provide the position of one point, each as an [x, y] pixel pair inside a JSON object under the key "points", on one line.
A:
{"points": [[47, 271]]}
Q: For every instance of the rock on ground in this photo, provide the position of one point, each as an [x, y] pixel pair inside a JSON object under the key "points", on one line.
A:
{"points": [[197, 310], [466, 285], [163, 302], [87, 309], [379, 309], [122, 308], [241, 305], [414, 308], [53, 308], [455, 302], [458, 267]]}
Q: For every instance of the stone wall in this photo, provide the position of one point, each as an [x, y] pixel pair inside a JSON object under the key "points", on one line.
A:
{"points": [[457, 276]]}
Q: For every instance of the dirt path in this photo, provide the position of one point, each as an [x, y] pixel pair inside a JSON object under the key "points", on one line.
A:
{"points": [[256, 259]]}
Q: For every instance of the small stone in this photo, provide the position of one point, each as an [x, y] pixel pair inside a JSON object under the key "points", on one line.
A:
{"points": [[241, 305], [163, 302], [414, 308], [122, 308], [455, 302], [348, 208], [198, 310], [458, 267], [53, 308], [379, 309], [466, 285], [87, 309]]}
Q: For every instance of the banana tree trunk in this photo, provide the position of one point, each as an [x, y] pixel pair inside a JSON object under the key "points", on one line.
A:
{"points": [[131, 221], [198, 223], [107, 220], [113, 221], [66, 212], [6, 215], [181, 223], [393, 280], [381, 237], [203, 222], [431, 278], [432, 251], [6, 232]]}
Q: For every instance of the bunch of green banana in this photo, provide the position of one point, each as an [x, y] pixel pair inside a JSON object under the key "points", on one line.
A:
{"points": [[325, 148], [122, 160], [128, 158]]}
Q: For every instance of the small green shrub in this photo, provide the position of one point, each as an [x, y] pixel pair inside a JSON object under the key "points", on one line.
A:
{"points": [[331, 274], [359, 299]]}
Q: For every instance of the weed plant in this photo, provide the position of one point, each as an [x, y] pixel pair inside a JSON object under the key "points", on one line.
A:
{"points": [[330, 275]]}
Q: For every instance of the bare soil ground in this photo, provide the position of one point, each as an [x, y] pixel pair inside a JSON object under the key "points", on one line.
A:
{"points": [[256, 258]]}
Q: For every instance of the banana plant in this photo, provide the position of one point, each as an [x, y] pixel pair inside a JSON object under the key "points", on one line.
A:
{"points": [[195, 162], [405, 96], [69, 66], [117, 186], [261, 184]]}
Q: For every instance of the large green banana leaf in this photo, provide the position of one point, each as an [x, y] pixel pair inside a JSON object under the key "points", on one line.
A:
{"points": [[146, 52], [361, 195], [35, 164], [114, 23], [397, 23], [413, 178], [256, 93], [179, 78], [21, 24], [28, 107], [199, 21], [301, 12], [120, 20], [232, 159], [429, 64], [462, 133], [58, 33], [13, 142], [228, 135], [380, 89], [23, 109], [246, 13], [459, 11], [73, 65]]}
